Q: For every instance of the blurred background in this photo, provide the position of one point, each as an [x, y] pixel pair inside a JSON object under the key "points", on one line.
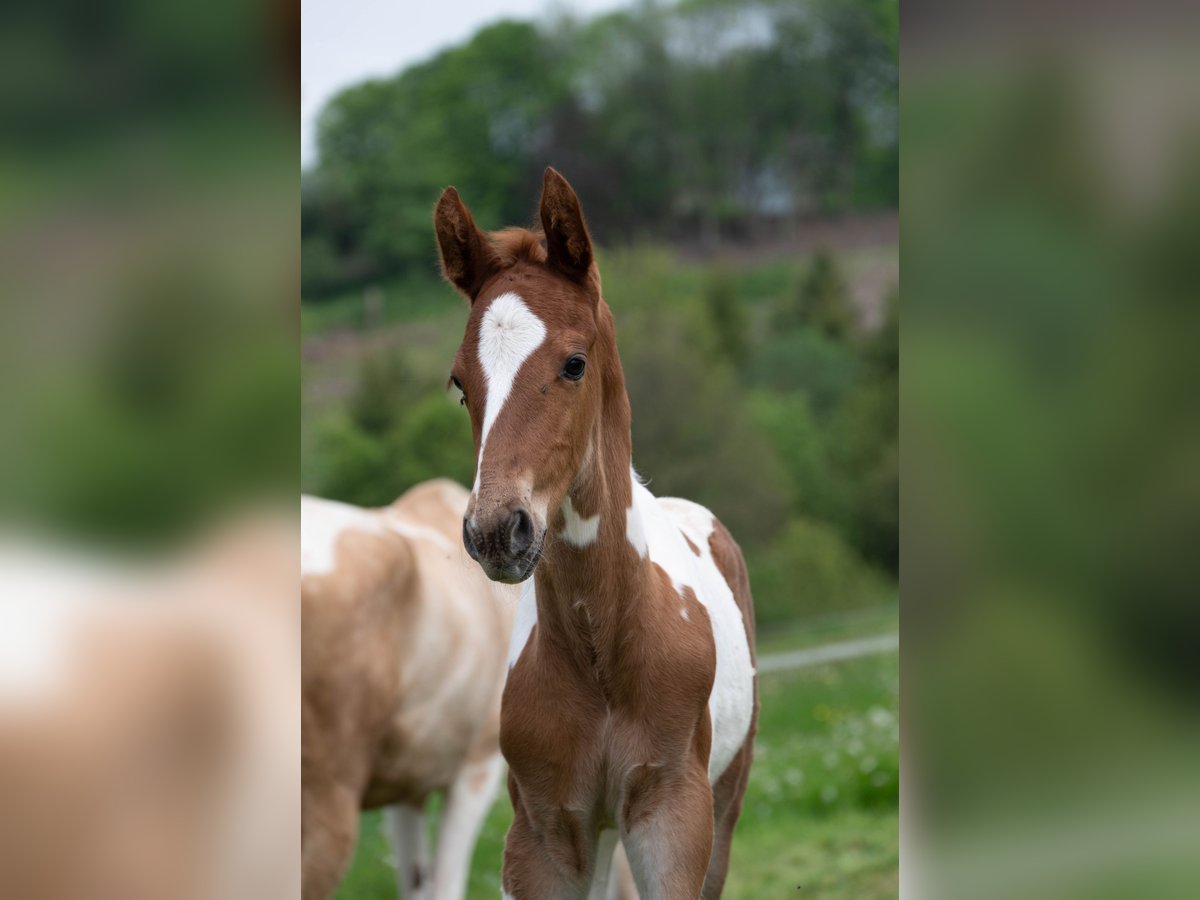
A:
{"points": [[738, 164], [149, 715], [1051, 197]]}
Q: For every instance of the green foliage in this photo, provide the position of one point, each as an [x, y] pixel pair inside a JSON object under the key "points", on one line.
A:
{"points": [[693, 438], [353, 464], [809, 569], [698, 120], [384, 385], [397, 429], [823, 301], [805, 361], [692, 434], [728, 314], [799, 438]]}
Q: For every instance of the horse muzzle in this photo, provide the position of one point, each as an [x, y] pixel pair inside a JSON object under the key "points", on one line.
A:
{"points": [[507, 546]]}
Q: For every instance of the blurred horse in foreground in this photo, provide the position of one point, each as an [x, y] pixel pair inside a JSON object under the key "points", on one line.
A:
{"points": [[149, 719]]}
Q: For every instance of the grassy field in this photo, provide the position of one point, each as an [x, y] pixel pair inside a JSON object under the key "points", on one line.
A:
{"points": [[820, 818]]}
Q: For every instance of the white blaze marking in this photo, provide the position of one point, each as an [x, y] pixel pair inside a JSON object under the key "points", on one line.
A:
{"points": [[579, 531], [659, 525], [508, 335], [523, 622]]}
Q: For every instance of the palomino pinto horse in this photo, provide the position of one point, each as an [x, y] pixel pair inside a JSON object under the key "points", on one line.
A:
{"points": [[631, 701], [403, 661]]}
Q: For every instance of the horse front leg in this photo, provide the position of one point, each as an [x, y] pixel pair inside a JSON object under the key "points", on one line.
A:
{"points": [[667, 830], [553, 858]]}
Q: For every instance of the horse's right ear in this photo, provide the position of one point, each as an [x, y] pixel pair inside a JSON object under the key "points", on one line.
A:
{"points": [[468, 258]]}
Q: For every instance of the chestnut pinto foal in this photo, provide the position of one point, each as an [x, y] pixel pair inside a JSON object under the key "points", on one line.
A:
{"points": [[631, 702]]}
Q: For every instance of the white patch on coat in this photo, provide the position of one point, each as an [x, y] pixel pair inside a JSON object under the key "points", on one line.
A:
{"points": [[46, 594], [509, 334], [664, 522], [635, 533], [526, 618], [578, 531], [322, 522]]}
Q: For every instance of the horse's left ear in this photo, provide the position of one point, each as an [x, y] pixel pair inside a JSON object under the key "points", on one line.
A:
{"points": [[568, 245]]}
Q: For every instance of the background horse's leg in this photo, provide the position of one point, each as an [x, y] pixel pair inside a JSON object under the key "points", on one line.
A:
{"points": [[328, 831], [410, 848], [467, 805]]}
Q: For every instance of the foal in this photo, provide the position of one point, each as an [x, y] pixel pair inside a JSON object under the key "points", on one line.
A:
{"points": [[631, 702]]}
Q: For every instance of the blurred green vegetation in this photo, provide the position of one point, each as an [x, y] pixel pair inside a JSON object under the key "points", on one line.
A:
{"points": [[147, 252], [1052, 504], [820, 809], [704, 119]]}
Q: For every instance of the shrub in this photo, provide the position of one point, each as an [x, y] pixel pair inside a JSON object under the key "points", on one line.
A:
{"points": [[806, 361], [823, 301], [808, 570]]}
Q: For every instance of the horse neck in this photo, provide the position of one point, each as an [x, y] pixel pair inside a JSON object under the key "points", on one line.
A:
{"points": [[589, 597]]}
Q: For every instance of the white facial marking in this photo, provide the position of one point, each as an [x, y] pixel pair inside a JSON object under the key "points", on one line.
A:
{"points": [[508, 335], [661, 524], [684, 614], [578, 531], [523, 622]]}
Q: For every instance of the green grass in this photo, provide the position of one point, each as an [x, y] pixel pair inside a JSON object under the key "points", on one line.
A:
{"points": [[820, 816]]}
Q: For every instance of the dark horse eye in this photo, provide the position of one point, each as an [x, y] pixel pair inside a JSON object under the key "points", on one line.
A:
{"points": [[462, 401], [573, 369]]}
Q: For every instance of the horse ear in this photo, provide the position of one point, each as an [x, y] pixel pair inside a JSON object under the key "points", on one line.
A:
{"points": [[568, 246], [468, 257]]}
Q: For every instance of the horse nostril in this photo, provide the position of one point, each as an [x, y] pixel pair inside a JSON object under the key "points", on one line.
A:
{"points": [[520, 531], [469, 541]]}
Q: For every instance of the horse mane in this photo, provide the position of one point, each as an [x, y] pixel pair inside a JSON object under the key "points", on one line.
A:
{"points": [[519, 245]]}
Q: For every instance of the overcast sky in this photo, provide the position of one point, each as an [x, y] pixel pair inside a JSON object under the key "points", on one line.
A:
{"points": [[346, 41]]}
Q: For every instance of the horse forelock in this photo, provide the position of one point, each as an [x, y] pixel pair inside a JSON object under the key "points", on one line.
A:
{"points": [[519, 245]]}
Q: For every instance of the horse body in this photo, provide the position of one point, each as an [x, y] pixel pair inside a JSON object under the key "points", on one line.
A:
{"points": [[629, 711], [403, 662]]}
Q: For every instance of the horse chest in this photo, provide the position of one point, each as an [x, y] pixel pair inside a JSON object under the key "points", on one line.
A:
{"points": [[577, 728]]}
